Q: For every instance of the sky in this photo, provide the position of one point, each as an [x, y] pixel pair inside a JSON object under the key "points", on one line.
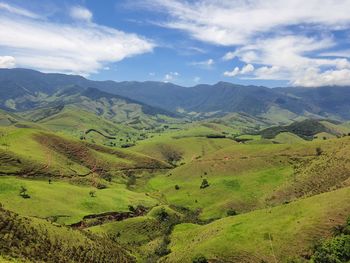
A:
{"points": [[252, 42]]}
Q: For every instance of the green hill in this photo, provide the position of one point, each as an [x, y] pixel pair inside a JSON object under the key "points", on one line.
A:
{"points": [[34, 240], [88, 176], [305, 129], [268, 235]]}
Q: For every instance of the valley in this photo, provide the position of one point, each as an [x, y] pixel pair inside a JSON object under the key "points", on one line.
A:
{"points": [[110, 179]]}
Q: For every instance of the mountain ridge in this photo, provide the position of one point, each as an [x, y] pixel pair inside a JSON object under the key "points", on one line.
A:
{"points": [[202, 100]]}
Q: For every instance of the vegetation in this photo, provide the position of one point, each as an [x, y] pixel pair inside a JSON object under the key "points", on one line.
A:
{"points": [[306, 129], [88, 176], [336, 249], [38, 241]]}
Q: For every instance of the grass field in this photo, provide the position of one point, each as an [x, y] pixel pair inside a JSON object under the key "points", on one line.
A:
{"points": [[272, 234], [68, 202], [286, 192]]}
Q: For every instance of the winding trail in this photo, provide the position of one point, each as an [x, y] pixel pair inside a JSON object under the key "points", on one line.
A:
{"points": [[97, 131]]}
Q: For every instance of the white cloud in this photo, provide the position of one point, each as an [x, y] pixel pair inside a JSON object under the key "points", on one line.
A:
{"points": [[232, 73], [313, 77], [81, 13], [171, 76], [229, 56], [7, 62], [228, 22], [286, 58], [247, 69], [206, 63], [284, 39], [237, 71], [17, 10], [81, 48]]}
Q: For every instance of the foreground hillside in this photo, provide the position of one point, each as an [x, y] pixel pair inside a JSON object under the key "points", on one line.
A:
{"points": [[182, 192], [269, 235], [36, 240]]}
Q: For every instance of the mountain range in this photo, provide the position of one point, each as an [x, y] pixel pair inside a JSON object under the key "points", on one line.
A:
{"points": [[24, 89]]}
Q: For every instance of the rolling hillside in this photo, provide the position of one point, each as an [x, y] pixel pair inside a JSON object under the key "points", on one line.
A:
{"points": [[212, 173]]}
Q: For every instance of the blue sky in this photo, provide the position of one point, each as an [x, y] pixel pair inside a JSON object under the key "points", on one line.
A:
{"points": [[259, 42]]}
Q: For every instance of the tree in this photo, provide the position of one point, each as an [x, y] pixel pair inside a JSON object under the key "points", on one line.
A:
{"points": [[23, 192], [318, 151], [204, 184], [131, 208]]}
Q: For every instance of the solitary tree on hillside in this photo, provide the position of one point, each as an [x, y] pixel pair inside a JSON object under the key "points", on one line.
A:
{"points": [[23, 192], [318, 151], [204, 184]]}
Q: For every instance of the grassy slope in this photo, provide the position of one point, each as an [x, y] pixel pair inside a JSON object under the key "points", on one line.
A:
{"points": [[21, 152], [74, 121], [293, 228], [287, 137], [67, 201], [190, 142], [236, 179], [251, 176], [36, 240], [243, 177], [56, 151]]}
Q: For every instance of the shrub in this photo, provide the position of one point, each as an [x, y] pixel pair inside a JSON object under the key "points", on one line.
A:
{"points": [[101, 186], [23, 193], [334, 250], [162, 250], [171, 155], [231, 212], [204, 184], [131, 208], [199, 259], [177, 187], [162, 215]]}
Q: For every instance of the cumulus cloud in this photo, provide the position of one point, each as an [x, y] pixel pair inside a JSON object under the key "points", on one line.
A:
{"points": [[330, 78], [82, 48], [7, 62], [286, 58], [171, 76], [81, 13], [283, 39], [237, 71]]}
